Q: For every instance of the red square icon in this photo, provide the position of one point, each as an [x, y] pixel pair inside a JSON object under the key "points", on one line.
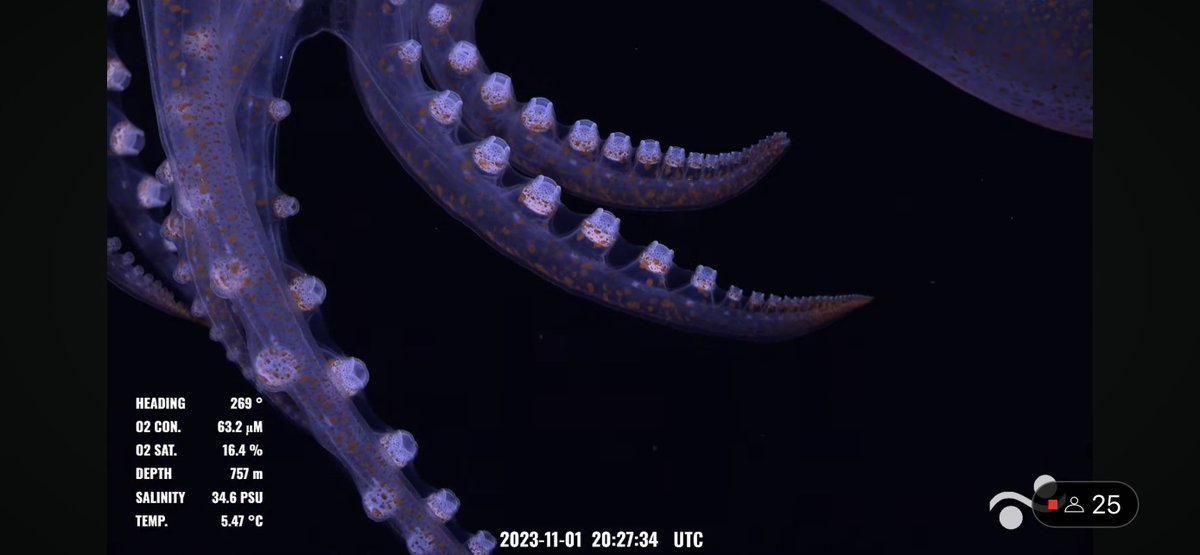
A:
{"points": [[1052, 504]]}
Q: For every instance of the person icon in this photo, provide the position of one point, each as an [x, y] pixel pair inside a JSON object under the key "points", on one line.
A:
{"points": [[1074, 506]]}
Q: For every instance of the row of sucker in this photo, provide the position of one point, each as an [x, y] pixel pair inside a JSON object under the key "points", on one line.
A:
{"points": [[610, 171], [234, 262], [470, 177]]}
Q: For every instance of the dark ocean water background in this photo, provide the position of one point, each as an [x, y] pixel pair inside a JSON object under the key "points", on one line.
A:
{"points": [[885, 433]]}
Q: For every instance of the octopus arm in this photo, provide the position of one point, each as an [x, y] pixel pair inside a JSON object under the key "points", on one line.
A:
{"points": [[525, 219], [614, 171], [214, 67], [124, 272]]}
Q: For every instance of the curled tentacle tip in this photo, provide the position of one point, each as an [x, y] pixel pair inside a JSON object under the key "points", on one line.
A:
{"points": [[837, 306]]}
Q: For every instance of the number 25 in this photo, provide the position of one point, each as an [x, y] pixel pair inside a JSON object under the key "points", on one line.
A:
{"points": [[1113, 506]]}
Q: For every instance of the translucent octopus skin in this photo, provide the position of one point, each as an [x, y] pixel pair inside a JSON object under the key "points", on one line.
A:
{"points": [[216, 71], [644, 175], [204, 80], [514, 215], [212, 218], [1031, 58]]}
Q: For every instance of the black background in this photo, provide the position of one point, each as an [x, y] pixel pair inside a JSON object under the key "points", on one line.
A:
{"points": [[969, 374]]}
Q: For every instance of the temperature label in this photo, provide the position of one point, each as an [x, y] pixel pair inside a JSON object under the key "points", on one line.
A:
{"points": [[238, 521]]}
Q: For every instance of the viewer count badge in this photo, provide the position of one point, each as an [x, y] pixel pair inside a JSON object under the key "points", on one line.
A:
{"points": [[1070, 504]]}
